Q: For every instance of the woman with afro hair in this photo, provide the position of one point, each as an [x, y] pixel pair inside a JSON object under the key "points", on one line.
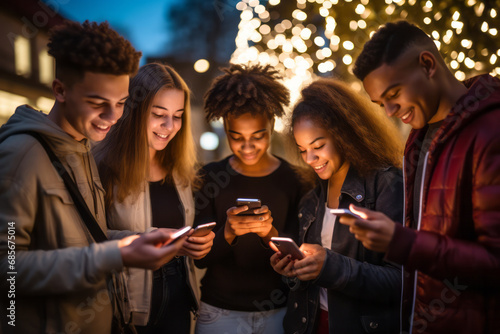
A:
{"points": [[240, 292], [340, 286]]}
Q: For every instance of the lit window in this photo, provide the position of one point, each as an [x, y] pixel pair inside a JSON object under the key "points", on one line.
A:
{"points": [[46, 67], [22, 56], [44, 104], [9, 102]]}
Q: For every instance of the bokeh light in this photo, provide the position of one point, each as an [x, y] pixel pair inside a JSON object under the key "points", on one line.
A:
{"points": [[201, 65], [294, 18], [209, 141], [304, 39]]}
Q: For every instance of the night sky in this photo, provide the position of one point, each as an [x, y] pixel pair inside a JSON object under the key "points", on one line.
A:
{"points": [[141, 22]]}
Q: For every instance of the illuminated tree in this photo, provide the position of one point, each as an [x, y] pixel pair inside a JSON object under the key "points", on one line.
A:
{"points": [[304, 38]]}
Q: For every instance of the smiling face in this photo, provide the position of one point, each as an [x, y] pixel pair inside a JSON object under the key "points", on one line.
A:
{"points": [[317, 148], [249, 137], [406, 89], [89, 107], [165, 118]]}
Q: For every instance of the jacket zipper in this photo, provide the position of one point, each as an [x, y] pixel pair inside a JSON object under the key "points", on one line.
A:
{"points": [[418, 229], [403, 268]]}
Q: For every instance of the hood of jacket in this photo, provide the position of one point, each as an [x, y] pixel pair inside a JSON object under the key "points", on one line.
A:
{"points": [[27, 119]]}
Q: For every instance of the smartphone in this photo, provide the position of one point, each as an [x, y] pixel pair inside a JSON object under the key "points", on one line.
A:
{"points": [[287, 247], [252, 203], [179, 234], [345, 212], [203, 230]]}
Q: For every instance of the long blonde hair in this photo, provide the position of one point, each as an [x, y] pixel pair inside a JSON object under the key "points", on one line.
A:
{"points": [[123, 156]]}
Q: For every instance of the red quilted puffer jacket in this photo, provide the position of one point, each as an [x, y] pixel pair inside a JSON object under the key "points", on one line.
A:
{"points": [[452, 264]]}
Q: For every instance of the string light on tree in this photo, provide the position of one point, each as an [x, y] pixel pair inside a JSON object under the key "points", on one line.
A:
{"points": [[306, 38]]}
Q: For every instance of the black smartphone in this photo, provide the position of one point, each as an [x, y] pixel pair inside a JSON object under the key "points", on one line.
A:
{"points": [[287, 247], [345, 212], [203, 230], [252, 203]]}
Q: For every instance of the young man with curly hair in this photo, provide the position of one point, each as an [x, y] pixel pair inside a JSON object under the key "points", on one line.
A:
{"points": [[450, 244], [240, 291], [59, 270]]}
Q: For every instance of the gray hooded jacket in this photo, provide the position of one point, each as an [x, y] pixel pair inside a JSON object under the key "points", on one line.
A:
{"points": [[60, 273]]}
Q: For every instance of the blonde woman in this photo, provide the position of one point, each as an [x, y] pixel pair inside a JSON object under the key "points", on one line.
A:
{"points": [[147, 164]]}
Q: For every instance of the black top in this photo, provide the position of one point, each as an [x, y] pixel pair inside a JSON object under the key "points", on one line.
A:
{"points": [[426, 143], [239, 276], [168, 212], [166, 206]]}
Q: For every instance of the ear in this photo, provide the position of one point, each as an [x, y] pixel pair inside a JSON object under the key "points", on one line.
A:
{"points": [[224, 121], [59, 90], [272, 124], [428, 62]]}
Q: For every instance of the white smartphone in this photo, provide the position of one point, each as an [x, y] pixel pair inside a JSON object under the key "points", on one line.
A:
{"points": [[345, 212], [287, 247], [203, 230], [179, 234]]}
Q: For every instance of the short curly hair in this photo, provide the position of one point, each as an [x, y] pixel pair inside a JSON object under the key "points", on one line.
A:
{"points": [[91, 47], [387, 44], [246, 88]]}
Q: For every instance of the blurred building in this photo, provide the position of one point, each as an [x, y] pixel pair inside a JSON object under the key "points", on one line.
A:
{"points": [[26, 69]]}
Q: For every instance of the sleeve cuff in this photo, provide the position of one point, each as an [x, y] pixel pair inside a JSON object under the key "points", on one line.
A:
{"points": [[221, 242], [329, 276], [401, 244], [110, 256]]}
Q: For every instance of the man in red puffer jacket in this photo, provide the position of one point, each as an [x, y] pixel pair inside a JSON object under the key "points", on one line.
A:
{"points": [[450, 245]]}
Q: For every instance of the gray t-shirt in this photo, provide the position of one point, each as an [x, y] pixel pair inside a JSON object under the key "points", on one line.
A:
{"points": [[431, 132]]}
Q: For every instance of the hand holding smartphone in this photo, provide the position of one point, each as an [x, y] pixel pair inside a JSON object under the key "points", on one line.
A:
{"points": [[287, 247], [252, 203], [203, 230]]}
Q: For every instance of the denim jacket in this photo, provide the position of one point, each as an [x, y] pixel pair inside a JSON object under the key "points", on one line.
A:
{"points": [[363, 290]]}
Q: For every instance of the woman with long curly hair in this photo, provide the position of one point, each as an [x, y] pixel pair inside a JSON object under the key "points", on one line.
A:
{"points": [[340, 286], [148, 169], [240, 292]]}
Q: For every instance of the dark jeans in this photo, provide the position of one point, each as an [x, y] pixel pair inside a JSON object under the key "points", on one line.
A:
{"points": [[171, 301]]}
